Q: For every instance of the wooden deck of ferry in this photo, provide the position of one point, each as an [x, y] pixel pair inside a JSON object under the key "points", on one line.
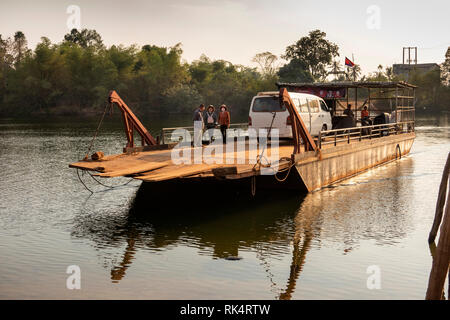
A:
{"points": [[157, 165]]}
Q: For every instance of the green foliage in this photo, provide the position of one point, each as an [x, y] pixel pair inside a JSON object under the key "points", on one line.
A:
{"points": [[75, 76], [295, 71], [431, 94], [85, 38], [314, 52], [267, 63], [221, 82], [182, 98], [445, 69]]}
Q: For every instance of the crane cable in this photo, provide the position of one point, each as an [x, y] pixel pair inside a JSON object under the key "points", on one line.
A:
{"points": [[259, 157], [86, 157], [96, 131]]}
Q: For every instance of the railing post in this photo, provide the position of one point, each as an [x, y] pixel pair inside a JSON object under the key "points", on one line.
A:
{"points": [[320, 140], [335, 133]]}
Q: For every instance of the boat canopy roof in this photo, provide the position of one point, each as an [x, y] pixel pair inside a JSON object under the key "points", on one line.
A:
{"points": [[348, 84]]}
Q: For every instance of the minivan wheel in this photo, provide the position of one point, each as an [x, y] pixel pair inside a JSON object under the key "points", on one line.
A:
{"points": [[324, 128]]}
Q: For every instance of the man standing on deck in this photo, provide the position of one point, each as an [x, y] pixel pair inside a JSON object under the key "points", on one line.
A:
{"points": [[348, 111], [198, 125], [224, 122], [364, 113]]}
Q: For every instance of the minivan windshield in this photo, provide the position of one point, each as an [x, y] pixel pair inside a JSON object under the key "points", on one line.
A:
{"points": [[267, 104]]}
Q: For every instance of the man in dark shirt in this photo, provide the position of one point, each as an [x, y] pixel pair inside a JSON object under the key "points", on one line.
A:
{"points": [[348, 112], [198, 125], [198, 113]]}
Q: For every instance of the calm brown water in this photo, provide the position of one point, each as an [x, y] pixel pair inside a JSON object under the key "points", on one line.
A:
{"points": [[315, 246]]}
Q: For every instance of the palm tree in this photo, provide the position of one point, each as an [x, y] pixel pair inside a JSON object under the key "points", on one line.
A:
{"points": [[389, 73], [335, 69], [354, 72], [380, 71]]}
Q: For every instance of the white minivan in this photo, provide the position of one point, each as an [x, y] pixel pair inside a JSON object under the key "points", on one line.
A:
{"points": [[313, 110]]}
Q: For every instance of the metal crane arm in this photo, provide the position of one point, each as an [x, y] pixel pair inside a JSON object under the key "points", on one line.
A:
{"points": [[131, 122], [299, 129]]}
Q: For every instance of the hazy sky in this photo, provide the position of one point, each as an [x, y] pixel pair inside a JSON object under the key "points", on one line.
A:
{"points": [[236, 30]]}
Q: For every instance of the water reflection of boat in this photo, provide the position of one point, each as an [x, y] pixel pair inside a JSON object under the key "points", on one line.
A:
{"points": [[274, 226]]}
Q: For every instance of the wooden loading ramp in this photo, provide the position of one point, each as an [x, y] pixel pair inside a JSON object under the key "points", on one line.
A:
{"points": [[155, 166], [153, 161]]}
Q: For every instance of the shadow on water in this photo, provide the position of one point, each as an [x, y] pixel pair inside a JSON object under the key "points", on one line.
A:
{"points": [[217, 226], [271, 224]]}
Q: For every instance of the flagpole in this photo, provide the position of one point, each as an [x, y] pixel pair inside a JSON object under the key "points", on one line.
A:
{"points": [[353, 60]]}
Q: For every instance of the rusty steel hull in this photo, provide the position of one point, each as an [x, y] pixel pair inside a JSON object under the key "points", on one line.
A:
{"points": [[312, 171], [318, 170]]}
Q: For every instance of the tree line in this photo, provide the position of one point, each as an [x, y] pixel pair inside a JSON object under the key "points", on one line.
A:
{"points": [[75, 75]]}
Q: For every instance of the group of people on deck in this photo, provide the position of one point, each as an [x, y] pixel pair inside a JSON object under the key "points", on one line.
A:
{"points": [[364, 113], [209, 119]]}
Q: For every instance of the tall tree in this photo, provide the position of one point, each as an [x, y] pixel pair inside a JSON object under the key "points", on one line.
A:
{"points": [[20, 46], [85, 38], [445, 69], [315, 52], [6, 63], [266, 62], [295, 71]]}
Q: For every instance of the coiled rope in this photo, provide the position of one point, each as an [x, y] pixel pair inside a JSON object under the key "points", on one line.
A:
{"points": [[288, 169]]}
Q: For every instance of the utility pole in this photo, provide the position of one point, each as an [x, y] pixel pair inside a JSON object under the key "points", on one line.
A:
{"points": [[409, 60]]}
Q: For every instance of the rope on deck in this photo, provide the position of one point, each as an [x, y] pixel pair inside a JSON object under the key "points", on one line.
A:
{"points": [[261, 156], [288, 169]]}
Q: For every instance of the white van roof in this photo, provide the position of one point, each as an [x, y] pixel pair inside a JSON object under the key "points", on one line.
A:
{"points": [[268, 93], [276, 93]]}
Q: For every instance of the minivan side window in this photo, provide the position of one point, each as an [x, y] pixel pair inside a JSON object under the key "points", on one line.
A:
{"points": [[314, 105], [304, 105], [324, 106]]}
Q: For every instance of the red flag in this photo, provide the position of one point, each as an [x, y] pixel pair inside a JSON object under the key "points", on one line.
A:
{"points": [[348, 62]]}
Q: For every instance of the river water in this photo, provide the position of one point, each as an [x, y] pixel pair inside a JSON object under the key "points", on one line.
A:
{"points": [[323, 245]]}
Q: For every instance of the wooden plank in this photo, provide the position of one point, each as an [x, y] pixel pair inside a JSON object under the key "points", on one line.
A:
{"points": [[145, 167], [87, 166], [180, 171], [223, 171]]}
